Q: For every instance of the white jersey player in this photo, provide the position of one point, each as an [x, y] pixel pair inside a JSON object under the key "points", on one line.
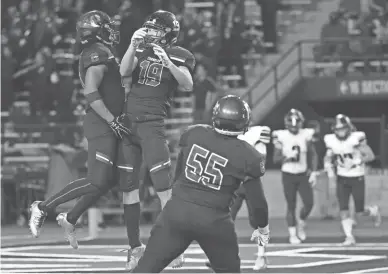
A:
{"points": [[346, 155], [293, 148]]}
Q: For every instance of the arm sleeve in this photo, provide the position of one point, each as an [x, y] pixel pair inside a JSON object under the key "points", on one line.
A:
{"points": [[182, 57], [257, 203]]}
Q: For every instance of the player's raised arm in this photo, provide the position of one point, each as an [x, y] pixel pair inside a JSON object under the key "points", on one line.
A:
{"points": [[181, 73], [367, 154], [129, 61]]}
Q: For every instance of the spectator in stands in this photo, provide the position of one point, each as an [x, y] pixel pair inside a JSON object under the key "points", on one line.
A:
{"points": [[205, 90], [7, 71]]}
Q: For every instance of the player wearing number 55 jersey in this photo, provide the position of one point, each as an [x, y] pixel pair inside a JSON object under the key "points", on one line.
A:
{"points": [[294, 150], [158, 69], [347, 153], [211, 165]]}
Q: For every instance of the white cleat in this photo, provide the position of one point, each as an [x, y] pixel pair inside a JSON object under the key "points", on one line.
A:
{"points": [[134, 256], [294, 240], [178, 262], [261, 263], [36, 220], [301, 231], [349, 241], [69, 230], [375, 213]]}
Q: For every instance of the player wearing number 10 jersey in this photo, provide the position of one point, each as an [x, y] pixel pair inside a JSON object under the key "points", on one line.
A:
{"points": [[347, 153], [158, 69], [211, 165], [294, 150]]}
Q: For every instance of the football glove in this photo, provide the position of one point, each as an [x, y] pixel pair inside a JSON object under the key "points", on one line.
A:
{"points": [[261, 235], [159, 51], [313, 177], [118, 127], [138, 37]]}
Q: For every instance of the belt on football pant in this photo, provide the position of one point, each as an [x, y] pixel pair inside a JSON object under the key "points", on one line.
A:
{"points": [[144, 118]]}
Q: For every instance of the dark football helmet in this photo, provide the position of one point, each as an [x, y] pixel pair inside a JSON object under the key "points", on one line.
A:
{"points": [[294, 120], [342, 126], [231, 116], [162, 29], [96, 26]]}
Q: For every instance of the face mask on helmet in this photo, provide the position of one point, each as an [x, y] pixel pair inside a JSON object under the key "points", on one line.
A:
{"points": [[293, 123], [114, 31], [342, 131], [155, 35]]}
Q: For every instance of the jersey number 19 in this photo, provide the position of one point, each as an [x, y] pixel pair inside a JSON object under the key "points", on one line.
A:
{"points": [[150, 73], [209, 175]]}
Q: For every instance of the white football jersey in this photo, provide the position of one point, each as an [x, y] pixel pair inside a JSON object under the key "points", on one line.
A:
{"points": [[345, 152], [293, 144], [258, 137]]}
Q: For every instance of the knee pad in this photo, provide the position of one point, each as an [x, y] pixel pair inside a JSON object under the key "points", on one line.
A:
{"points": [[161, 175], [101, 173]]}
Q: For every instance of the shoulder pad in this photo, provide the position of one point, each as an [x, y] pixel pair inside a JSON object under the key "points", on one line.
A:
{"points": [[183, 141], [360, 137], [181, 57], [277, 136], [95, 55], [309, 133], [328, 139]]}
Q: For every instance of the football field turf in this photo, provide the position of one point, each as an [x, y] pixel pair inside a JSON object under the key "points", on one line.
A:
{"points": [[322, 253]]}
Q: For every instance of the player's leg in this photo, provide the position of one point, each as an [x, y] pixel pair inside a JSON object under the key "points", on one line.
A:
{"points": [[129, 163], [306, 193], [76, 188], [237, 202], [344, 190], [167, 241], [102, 154], [290, 188], [358, 193], [219, 242], [157, 158]]}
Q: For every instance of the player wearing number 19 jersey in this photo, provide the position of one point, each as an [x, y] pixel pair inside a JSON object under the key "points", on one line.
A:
{"points": [[158, 69], [294, 150], [211, 165], [347, 153]]}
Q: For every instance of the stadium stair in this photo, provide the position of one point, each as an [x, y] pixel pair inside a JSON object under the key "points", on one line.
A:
{"points": [[304, 23]]}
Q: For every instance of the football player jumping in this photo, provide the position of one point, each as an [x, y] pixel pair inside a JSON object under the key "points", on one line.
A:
{"points": [[211, 165], [294, 149], [346, 155], [157, 68], [101, 79]]}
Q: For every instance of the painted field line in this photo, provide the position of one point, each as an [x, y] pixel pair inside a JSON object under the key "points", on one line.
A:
{"points": [[13, 266], [13, 237], [370, 270], [47, 260]]}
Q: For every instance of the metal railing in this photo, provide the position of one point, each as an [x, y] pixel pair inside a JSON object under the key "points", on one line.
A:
{"points": [[297, 62]]}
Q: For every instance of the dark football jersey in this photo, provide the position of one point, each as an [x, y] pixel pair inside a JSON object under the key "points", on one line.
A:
{"points": [[152, 84], [111, 89], [212, 167]]}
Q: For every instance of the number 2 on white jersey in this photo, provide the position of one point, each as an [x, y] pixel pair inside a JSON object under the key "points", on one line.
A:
{"points": [[210, 175]]}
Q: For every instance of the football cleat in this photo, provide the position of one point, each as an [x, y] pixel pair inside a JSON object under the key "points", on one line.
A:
{"points": [[69, 230], [178, 262], [349, 241], [294, 240], [301, 231], [37, 219], [375, 213], [134, 256], [261, 263]]}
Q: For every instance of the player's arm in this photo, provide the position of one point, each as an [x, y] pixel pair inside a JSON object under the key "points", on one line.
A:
{"points": [[257, 202], [328, 161], [278, 156], [312, 156], [129, 61], [93, 78], [181, 73], [367, 154]]}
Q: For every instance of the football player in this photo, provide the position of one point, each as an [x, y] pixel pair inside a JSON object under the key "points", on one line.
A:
{"points": [[211, 165], [346, 155], [157, 68], [293, 148], [100, 76]]}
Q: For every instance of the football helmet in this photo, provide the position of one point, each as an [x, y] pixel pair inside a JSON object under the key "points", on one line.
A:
{"points": [[342, 126], [162, 29], [96, 26], [294, 120], [231, 116]]}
